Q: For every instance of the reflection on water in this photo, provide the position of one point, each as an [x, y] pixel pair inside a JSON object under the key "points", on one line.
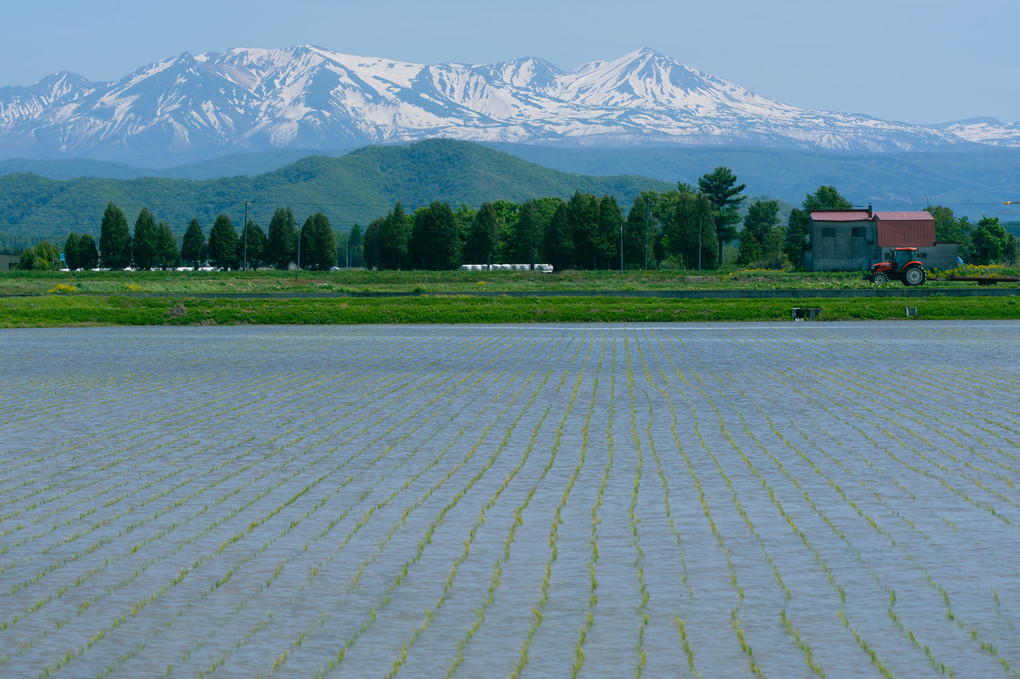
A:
{"points": [[669, 500]]}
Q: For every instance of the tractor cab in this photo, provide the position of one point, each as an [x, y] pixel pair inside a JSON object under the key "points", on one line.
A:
{"points": [[902, 257], [903, 266]]}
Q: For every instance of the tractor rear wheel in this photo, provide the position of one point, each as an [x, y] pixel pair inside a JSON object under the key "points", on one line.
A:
{"points": [[915, 275], [879, 278]]}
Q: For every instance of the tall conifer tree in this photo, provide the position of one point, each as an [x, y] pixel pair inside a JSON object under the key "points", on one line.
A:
{"points": [[528, 234], [318, 247], [114, 239], [720, 186], [483, 237], [193, 247], [145, 241], [72, 246], [395, 237], [223, 243], [281, 243], [88, 255], [167, 254], [251, 245]]}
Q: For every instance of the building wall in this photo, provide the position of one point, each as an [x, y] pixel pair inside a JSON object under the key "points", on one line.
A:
{"points": [[842, 246], [8, 261], [943, 256]]}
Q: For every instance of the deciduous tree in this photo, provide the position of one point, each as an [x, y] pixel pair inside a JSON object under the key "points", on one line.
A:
{"points": [[990, 243], [42, 257], [949, 229], [826, 198]]}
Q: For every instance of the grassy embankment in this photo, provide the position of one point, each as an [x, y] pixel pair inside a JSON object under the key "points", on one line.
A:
{"points": [[110, 298], [76, 310], [359, 280]]}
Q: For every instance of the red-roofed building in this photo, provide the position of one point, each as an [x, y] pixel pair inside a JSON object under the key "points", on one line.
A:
{"points": [[849, 240], [905, 229]]}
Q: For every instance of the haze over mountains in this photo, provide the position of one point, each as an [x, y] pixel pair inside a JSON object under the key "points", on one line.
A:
{"points": [[192, 108], [356, 188]]}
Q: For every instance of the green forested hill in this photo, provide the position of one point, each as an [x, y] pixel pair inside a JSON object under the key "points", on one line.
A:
{"points": [[354, 188], [973, 181]]}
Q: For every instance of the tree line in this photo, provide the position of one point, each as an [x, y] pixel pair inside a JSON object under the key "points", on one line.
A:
{"points": [[153, 245], [683, 228], [986, 242]]}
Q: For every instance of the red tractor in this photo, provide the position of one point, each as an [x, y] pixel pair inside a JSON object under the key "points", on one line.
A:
{"points": [[904, 266]]}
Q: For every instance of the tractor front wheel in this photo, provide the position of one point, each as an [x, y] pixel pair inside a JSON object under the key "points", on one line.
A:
{"points": [[914, 276], [879, 278]]}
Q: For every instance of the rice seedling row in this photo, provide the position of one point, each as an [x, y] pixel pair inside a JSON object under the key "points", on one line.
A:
{"points": [[323, 564], [192, 653], [792, 500]]}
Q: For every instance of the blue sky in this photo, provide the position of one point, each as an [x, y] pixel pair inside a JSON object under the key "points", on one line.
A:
{"points": [[918, 61]]}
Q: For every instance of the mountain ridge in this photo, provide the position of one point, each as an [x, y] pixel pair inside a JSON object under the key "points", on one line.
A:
{"points": [[194, 107], [972, 182], [354, 188]]}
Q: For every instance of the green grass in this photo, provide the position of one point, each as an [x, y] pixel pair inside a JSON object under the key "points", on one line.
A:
{"points": [[79, 310], [360, 280]]}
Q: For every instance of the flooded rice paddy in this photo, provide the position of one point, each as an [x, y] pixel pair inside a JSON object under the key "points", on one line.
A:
{"points": [[786, 500]]}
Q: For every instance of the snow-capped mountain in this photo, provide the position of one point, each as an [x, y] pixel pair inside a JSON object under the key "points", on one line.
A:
{"points": [[190, 107], [984, 131]]}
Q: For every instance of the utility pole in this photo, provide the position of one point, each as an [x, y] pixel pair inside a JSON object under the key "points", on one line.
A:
{"points": [[621, 248]]}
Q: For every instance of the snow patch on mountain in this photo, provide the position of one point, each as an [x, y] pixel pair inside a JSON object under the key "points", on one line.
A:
{"points": [[253, 99], [985, 131]]}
